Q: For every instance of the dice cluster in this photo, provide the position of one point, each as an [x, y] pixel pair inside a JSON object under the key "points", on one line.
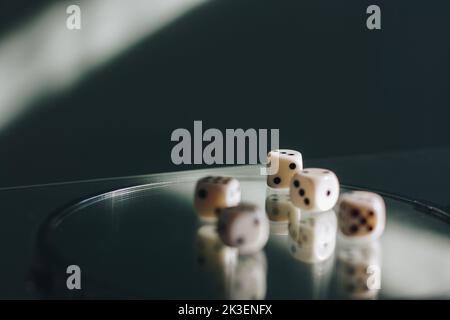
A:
{"points": [[294, 192], [361, 214], [307, 198]]}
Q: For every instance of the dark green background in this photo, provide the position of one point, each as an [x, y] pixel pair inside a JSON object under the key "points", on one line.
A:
{"points": [[309, 68]]}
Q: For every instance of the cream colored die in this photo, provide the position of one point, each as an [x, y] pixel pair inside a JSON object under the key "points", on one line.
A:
{"points": [[313, 237], [285, 163], [359, 271], [314, 189], [215, 193], [361, 215], [245, 227]]}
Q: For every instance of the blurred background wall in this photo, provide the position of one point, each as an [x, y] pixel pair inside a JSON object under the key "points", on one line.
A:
{"points": [[309, 68]]}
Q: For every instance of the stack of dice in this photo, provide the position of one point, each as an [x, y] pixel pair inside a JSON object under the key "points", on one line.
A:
{"points": [[300, 202]]}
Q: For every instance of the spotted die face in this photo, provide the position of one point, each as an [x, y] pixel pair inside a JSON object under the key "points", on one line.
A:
{"points": [[361, 215], [314, 189], [289, 162]]}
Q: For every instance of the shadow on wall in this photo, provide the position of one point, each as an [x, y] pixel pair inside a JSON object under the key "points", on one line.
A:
{"points": [[309, 68]]}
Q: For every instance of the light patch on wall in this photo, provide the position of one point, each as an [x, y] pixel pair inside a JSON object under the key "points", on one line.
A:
{"points": [[43, 57]]}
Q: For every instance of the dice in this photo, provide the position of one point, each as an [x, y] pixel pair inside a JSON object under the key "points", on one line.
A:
{"points": [[245, 227], [279, 207], [361, 215], [359, 271], [313, 237], [287, 162], [215, 193], [314, 189]]}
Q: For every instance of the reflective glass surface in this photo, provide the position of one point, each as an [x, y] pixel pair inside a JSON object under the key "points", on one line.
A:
{"points": [[144, 242]]}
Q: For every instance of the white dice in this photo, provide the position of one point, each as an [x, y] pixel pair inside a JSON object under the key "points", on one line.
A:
{"points": [[286, 163], [245, 227], [314, 189], [215, 193], [361, 215], [313, 237]]}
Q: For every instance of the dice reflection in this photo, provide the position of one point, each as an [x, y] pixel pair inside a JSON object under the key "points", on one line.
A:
{"points": [[312, 237], [212, 255], [226, 273], [278, 209], [248, 281], [359, 271]]}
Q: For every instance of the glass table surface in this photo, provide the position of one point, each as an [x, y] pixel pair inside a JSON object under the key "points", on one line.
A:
{"points": [[143, 242]]}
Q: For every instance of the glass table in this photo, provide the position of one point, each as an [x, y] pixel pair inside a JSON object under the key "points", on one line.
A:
{"points": [[142, 241]]}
